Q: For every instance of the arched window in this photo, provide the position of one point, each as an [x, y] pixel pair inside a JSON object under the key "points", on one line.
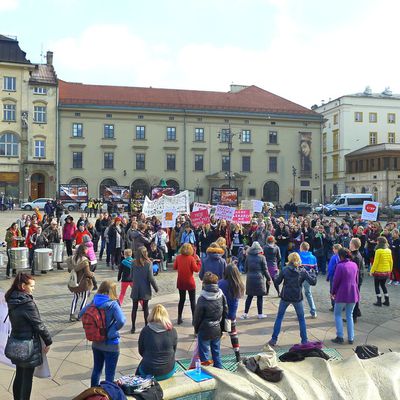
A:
{"points": [[106, 182], [77, 181], [271, 192], [363, 190], [9, 145], [140, 186], [174, 184]]}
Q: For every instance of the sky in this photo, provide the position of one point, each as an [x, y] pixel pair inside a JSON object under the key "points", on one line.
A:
{"points": [[304, 50]]}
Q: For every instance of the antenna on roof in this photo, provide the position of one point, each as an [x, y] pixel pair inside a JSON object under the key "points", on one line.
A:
{"points": [[42, 55], [367, 91]]}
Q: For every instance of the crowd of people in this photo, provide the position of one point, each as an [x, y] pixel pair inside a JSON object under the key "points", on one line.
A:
{"points": [[288, 254]]}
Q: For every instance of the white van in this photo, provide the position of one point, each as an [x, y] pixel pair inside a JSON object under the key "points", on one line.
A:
{"points": [[348, 202]]}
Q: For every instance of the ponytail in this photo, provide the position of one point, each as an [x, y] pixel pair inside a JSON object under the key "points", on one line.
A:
{"points": [[19, 280]]}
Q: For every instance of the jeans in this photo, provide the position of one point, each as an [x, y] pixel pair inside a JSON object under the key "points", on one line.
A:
{"points": [[22, 386], [321, 262], [349, 307], [102, 247], [283, 305], [283, 248], [310, 300], [110, 358], [214, 344], [247, 304]]}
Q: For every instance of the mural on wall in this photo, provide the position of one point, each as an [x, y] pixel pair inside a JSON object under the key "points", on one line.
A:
{"points": [[305, 154]]}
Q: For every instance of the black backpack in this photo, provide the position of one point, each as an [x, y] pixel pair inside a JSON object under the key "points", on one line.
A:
{"points": [[366, 351]]}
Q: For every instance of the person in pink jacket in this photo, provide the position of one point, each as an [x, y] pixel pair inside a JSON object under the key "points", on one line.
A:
{"points": [[68, 233], [91, 255]]}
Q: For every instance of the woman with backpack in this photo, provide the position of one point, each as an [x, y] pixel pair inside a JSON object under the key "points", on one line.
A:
{"points": [[142, 280], [80, 283], [106, 351]]}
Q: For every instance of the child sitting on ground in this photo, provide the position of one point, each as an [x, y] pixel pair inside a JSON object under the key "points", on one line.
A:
{"points": [[124, 272], [155, 255]]}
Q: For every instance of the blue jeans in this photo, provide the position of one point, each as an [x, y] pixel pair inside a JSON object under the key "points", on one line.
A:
{"points": [[283, 305], [349, 307], [283, 249], [310, 300], [204, 346], [110, 358], [321, 262]]}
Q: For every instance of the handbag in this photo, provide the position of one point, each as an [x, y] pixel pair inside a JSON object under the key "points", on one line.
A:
{"points": [[19, 350], [227, 325]]}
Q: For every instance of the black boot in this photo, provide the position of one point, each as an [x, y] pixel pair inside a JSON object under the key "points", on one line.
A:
{"points": [[386, 302], [237, 355], [180, 320], [378, 302]]}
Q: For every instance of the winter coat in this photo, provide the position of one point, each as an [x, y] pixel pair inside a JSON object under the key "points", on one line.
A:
{"points": [[293, 278], [91, 255], [205, 239], [282, 236], [82, 269], [124, 270], [113, 231], [139, 240], [210, 308], [161, 240], [79, 236], [260, 236], [157, 346], [359, 260], [272, 255], [10, 235], [115, 318], [383, 261], [345, 282], [188, 237], [257, 273], [26, 323], [332, 267], [308, 260], [143, 279], [213, 263], [186, 265], [69, 231], [52, 235]]}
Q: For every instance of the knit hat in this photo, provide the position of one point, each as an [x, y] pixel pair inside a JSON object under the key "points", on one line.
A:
{"points": [[256, 246], [86, 238]]}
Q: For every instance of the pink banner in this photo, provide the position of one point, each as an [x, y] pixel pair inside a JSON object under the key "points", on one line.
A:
{"points": [[242, 216], [199, 217]]}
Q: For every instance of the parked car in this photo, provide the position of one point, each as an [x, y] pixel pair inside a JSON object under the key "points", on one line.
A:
{"points": [[393, 208], [39, 203], [304, 208], [71, 206]]}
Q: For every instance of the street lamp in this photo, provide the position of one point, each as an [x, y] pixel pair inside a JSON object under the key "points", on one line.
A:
{"points": [[226, 137], [198, 189], [294, 173]]}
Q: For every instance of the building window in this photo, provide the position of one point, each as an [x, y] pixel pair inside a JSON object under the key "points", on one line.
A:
{"points": [[199, 135], [171, 118], [171, 162], [335, 140], [140, 117], [246, 164], [358, 116], [273, 164], [171, 133], [391, 118], [77, 159], [9, 145], [10, 83], [40, 114], [77, 114], [39, 90], [335, 161], [246, 136], [198, 162], [273, 137], [108, 115], [40, 149], [225, 135], [373, 117], [373, 137], [252, 192], [226, 163], [108, 160], [77, 129], [9, 112], [324, 142], [324, 166], [108, 131], [391, 137], [199, 191], [335, 119], [140, 132], [140, 161]]}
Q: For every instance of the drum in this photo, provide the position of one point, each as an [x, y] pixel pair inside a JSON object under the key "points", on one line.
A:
{"points": [[1, 259], [19, 259], [58, 252], [43, 259]]}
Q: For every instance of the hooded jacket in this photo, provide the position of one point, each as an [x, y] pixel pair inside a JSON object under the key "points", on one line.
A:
{"points": [[257, 273], [272, 255], [26, 323], [82, 269], [213, 263], [210, 308], [157, 346], [124, 269], [308, 260]]}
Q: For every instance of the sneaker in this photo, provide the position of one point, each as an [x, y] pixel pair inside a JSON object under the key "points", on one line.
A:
{"points": [[272, 342], [390, 282], [351, 341], [313, 316], [337, 340], [72, 318], [8, 276], [396, 283], [261, 316], [332, 309], [244, 316]]}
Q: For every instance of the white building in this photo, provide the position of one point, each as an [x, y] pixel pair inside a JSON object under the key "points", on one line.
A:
{"points": [[351, 122]]}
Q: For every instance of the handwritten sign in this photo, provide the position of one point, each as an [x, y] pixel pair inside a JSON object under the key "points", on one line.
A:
{"points": [[224, 212], [242, 216], [199, 217], [179, 202], [257, 205], [370, 211], [246, 205], [168, 218], [201, 206]]}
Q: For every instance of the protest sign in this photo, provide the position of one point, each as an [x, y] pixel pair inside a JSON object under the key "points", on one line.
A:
{"points": [[179, 202], [242, 216], [246, 205], [370, 211], [201, 206], [224, 212], [199, 217], [168, 218], [257, 205]]}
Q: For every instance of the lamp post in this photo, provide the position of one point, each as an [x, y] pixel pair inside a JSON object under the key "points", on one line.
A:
{"points": [[227, 137], [294, 173], [197, 189]]}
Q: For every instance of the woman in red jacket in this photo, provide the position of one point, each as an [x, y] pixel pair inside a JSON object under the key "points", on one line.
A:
{"points": [[186, 263]]}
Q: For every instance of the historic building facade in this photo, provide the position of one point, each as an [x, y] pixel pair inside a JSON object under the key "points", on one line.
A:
{"points": [[29, 124], [248, 138]]}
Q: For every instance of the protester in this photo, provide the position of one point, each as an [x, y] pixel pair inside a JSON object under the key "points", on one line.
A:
{"points": [[26, 324], [292, 276], [309, 262], [124, 274], [273, 257], [157, 345], [282, 235], [214, 262], [331, 270], [106, 352], [395, 248], [116, 241], [68, 234], [355, 245], [12, 234], [91, 255]]}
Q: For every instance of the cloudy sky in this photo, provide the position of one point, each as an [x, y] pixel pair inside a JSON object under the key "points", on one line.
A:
{"points": [[304, 50]]}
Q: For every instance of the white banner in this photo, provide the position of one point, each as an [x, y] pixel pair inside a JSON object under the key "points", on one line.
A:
{"points": [[247, 205], [224, 212], [257, 206], [5, 329], [201, 206], [168, 218], [179, 202], [370, 211]]}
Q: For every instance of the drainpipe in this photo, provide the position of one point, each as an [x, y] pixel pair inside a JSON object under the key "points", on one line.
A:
{"points": [[184, 149], [57, 160], [321, 165]]}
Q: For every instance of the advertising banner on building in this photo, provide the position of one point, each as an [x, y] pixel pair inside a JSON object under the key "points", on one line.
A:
{"points": [[225, 197], [305, 154], [117, 193], [179, 202], [242, 216], [158, 191], [370, 211], [199, 217], [78, 193], [224, 212]]}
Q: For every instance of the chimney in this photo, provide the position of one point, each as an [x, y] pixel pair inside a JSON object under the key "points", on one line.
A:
{"points": [[49, 58], [237, 88]]}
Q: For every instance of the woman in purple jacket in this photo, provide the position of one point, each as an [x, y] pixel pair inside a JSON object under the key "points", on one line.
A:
{"points": [[346, 294]]}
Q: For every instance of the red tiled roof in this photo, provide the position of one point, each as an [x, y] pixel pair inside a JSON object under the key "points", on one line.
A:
{"points": [[250, 99]]}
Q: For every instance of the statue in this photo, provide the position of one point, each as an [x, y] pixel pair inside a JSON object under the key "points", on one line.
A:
{"points": [[24, 119]]}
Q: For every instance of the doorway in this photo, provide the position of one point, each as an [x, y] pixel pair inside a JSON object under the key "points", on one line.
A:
{"points": [[38, 188]]}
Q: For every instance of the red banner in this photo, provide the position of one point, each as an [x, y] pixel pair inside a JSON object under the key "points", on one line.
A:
{"points": [[242, 216], [199, 217]]}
